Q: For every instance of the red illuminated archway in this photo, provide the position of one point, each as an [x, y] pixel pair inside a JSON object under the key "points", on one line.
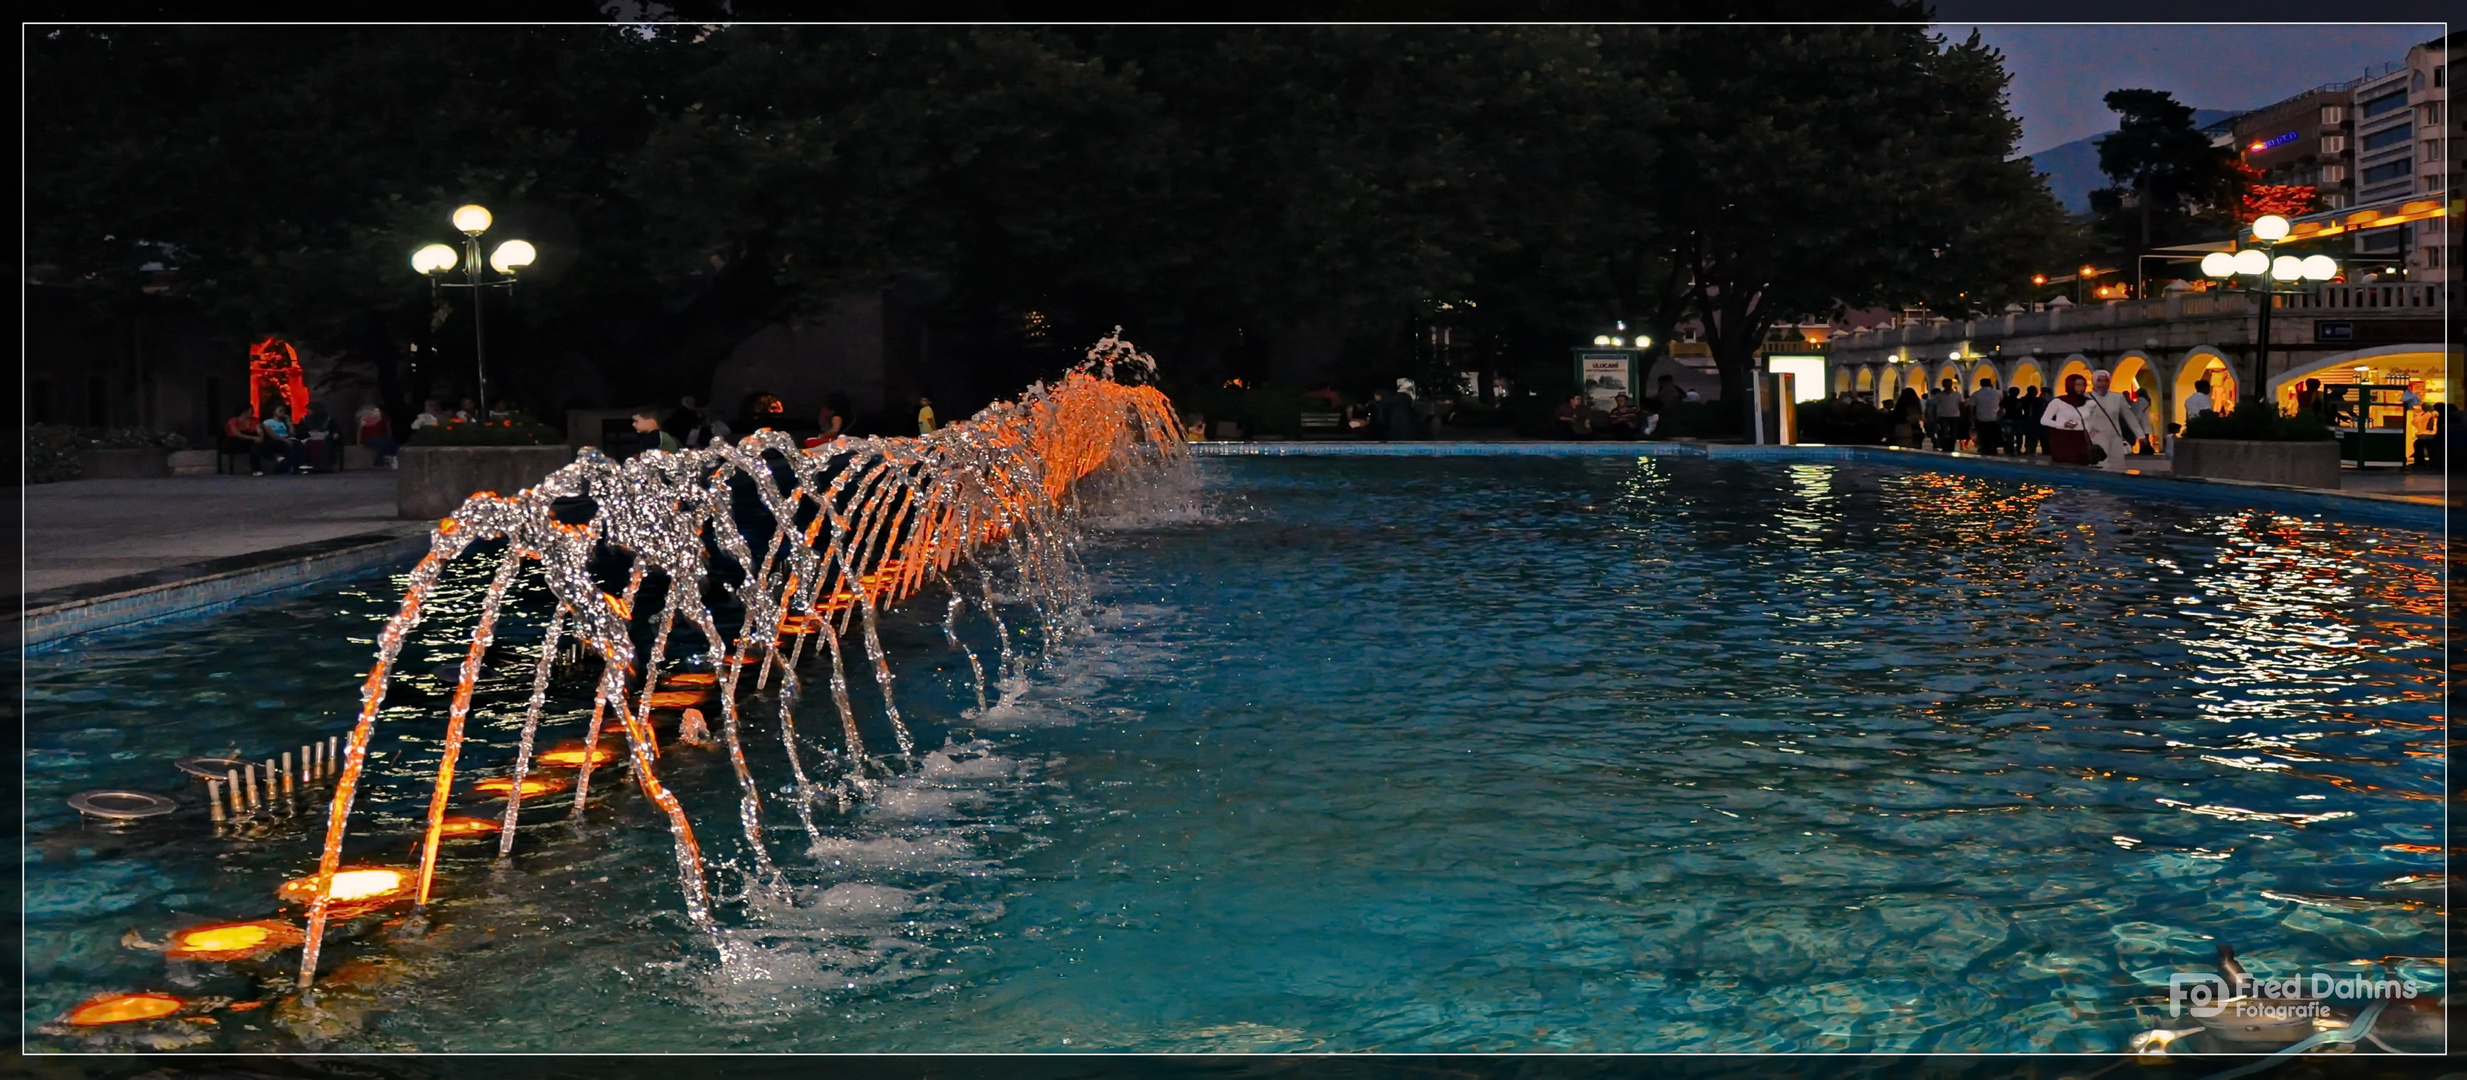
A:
{"points": [[274, 366]]}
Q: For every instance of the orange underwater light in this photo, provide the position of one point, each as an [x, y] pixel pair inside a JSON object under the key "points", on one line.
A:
{"points": [[356, 891], [464, 828], [221, 942], [499, 787], [692, 678], [124, 1008], [676, 699], [572, 756]]}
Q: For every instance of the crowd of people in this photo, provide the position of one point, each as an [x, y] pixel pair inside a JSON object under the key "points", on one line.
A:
{"points": [[2090, 423]]}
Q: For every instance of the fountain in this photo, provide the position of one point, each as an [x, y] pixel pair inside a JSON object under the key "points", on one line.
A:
{"points": [[859, 525]]}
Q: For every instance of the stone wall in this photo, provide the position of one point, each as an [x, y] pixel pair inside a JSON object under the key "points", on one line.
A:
{"points": [[2296, 464]]}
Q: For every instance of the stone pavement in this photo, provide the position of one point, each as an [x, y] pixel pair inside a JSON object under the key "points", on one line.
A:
{"points": [[83, 531]]}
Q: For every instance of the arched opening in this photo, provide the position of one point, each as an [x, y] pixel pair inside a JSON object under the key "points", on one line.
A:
{"points": [[1983, 371], [2135, 373], [2421, 368], [2203, 364], [2026, 374], [1947, 373], [1867, 380], [1841, 382], [1888, 384]]}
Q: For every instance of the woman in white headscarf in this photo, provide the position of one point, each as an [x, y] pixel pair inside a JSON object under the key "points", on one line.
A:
{"points": [[2111, 420]]}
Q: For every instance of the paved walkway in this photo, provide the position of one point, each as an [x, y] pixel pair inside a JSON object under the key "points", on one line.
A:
{"points": [[83, 531]]}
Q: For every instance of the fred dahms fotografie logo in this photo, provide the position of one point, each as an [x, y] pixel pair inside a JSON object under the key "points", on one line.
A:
{"points": [[2205, 995]]}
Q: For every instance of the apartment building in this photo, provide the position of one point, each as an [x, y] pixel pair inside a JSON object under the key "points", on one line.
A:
{"points": [[2433, 246], [2302, 140]]}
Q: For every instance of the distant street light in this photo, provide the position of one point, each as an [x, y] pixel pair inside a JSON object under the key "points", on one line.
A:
{"points": [[2264, 270], [435, 260]]}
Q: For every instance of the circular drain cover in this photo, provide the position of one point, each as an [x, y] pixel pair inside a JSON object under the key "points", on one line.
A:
{"points": [[210, 768], [121, 805]]}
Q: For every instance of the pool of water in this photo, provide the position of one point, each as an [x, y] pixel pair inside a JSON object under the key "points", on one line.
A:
{"points": [[1402, 755]]}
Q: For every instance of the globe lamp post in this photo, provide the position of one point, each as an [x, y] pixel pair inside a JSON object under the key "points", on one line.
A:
{"points": [[437, 260], [2261, 272]]}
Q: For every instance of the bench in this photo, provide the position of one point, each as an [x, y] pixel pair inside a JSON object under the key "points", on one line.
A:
{"points": [[1323, 425]]}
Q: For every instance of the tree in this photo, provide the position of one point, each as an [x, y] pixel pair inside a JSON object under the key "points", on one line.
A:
{"points": [[1810, 170], [2167, 178]]}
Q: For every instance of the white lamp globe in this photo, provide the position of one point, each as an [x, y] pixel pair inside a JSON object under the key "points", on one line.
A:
{"points": [[1601, 339], [2286, 268], [1642, 341], [2253, 262], [2320, 267], [472, 220], [433, 259], [2218, 264], [2269, 227], [512, 255]]}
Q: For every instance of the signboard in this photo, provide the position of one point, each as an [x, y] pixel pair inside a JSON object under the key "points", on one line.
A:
{"points": [[1605, 375], [1808, 372], [2326, 330]]}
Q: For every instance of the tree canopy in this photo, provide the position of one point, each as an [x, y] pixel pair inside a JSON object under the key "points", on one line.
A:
{"points": [[2169, 185], [687, 185]]}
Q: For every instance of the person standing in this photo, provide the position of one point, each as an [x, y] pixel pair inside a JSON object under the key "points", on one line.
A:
{"points": [[1909, 418], [2198, 402], [1945, 410], [1987, 413], [2113, 422], [2067, 441], [925, 416]]}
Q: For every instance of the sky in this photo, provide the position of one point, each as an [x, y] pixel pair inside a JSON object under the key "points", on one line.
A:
{"points": [[2061, 72]]}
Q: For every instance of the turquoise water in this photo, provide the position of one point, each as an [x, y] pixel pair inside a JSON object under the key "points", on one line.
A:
{"points": [[1404, 755]]}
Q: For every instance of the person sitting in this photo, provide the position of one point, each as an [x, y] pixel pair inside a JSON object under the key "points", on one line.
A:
{"points": [[321, 440], [468, 411], [832, 424], [243, 435], [281, 447], [1576, 417], [1625, 420], [432, 413], [2167, 445], [377, 434], [647, 425]]}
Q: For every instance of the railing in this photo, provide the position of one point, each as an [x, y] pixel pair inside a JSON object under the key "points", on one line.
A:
{"points": [[2377, 297], [2395, 298]]}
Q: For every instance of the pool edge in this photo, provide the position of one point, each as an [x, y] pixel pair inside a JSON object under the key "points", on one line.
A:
{"points": [[2361, 507]]}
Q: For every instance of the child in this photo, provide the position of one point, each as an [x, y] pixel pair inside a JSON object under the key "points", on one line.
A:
{"points": [[2167, 447]]}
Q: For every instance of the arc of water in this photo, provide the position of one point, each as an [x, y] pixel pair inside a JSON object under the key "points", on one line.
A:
{"points": [[599, 705], [531, 729], [481, 638]]}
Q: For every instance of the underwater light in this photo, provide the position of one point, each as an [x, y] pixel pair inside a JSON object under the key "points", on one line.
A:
{"points": [[463, 828], [124, 1008], [234, 940], [676, 699], [500, 786], [572, 756]]}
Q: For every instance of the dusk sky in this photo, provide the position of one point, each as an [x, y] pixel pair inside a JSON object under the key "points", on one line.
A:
{"points": [[2061, 71]]}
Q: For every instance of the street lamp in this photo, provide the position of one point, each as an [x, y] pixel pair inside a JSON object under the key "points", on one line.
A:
{"points": [[2265, 271], [436, 260]]}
